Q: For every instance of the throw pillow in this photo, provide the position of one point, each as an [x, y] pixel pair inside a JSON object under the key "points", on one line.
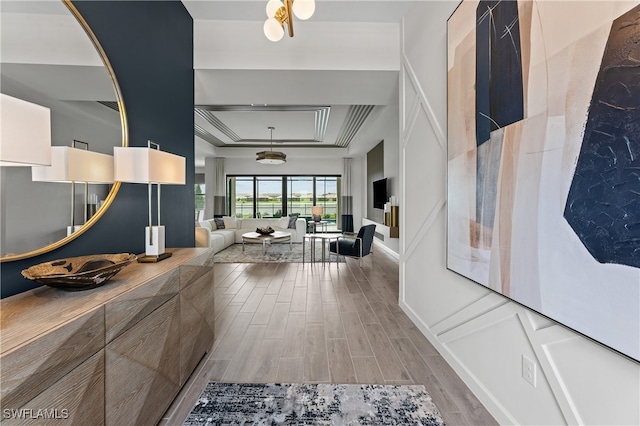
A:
{"points": [[292, 222], [213, 225], [229, 222], [283, 222], [219, 222]]}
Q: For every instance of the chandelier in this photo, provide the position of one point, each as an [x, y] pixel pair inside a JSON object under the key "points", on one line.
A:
{"points": [[271, 156], [279, 12]]}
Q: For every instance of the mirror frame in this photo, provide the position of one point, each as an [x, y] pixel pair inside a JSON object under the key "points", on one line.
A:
{"points": [[125, 142]]}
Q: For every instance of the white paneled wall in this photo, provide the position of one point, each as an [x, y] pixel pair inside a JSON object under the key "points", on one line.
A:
{"points": [[480, 333]]}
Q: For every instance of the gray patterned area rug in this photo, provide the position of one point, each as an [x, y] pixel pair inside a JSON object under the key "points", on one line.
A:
{"points": [[313, 404], [276, 253]]}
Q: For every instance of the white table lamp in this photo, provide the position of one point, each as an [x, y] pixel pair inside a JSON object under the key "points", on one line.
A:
{"points": [[316, 212], [74, 165], [25, 138], [151, 166]]}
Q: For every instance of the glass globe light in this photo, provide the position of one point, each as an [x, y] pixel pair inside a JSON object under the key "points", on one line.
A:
{"points": [[304, 9], [272, 7], [273, 30]]}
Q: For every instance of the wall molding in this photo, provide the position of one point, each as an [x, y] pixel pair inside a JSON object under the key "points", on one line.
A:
{"points": [[491, 403], [437, 128]]}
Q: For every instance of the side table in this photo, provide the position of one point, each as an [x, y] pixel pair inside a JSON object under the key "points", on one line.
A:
{"points": [[325, 238], [322, 225]]}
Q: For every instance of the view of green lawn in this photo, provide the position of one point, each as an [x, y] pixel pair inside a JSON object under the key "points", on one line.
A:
{"points": [[244, 208], [269, 202]]}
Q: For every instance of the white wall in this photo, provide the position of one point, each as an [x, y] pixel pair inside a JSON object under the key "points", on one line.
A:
{"points": [[381, 126], [299, 166], [482, 334]]}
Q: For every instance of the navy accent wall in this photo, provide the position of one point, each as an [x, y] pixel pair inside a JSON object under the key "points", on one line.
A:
{"points": [[150, 47]]}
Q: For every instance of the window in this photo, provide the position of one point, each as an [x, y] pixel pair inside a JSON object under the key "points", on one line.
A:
{"points": [[269, 196], [299, 195], [200, 197], [277, 196], [241, 196], [327, 197]]}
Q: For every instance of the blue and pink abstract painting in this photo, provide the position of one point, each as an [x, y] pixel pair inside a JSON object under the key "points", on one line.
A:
{"points": [[544, 159]]}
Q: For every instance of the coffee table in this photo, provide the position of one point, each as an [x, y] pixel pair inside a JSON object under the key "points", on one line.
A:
{"points": [[268, 239]]}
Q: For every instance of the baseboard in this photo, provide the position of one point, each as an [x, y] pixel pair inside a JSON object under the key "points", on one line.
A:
{"points": [[387, 249]]}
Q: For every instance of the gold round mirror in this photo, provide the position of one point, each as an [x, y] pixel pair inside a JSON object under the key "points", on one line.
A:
{"points": [[50, 57]]}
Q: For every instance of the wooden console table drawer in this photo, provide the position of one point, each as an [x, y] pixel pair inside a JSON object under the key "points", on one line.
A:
{"points": [[76, 399], [196, 317], [142, 368]]}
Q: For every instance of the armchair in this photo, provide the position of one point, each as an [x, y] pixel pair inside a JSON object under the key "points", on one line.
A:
{"points": [[358, 247]]}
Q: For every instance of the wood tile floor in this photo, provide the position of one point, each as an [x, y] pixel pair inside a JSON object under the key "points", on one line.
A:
{"points": [[335, 324]]}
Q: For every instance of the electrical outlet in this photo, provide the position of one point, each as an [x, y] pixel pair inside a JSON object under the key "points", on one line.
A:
{"points": [[529, 370]]}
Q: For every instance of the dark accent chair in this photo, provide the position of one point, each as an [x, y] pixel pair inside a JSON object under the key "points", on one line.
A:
{"points": [[358, 247]]}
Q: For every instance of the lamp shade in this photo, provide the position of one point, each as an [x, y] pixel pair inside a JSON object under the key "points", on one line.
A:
{"points": [[273, 29], [70, 164], [316, 210], [26, 133], [272, 7], [146, 165], [271, 157], [304, 9]]}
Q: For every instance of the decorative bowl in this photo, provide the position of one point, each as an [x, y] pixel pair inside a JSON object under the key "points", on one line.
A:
{"points": [[79, 273], [265, 231]]}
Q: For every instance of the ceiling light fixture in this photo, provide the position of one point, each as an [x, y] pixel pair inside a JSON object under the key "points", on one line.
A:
{"points": [[271, 156], [279, 12]]}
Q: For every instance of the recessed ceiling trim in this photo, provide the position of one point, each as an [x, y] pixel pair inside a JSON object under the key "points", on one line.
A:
{"points": [[203, 134], [261, 107], [297, 145], [321, 118], [322, 121], [356, 116], [217, 123]]}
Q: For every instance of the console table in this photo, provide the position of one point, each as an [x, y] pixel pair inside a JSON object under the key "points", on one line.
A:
{"points": [[117, 354]]}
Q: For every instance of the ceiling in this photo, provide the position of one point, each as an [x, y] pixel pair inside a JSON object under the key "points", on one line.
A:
{"points": [[317, 89]]}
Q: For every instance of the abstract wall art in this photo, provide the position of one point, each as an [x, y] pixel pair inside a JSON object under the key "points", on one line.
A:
{"points": [[544, 159]]}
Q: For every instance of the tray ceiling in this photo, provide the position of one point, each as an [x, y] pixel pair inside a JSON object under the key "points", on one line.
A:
{"points": [[295, 125]]}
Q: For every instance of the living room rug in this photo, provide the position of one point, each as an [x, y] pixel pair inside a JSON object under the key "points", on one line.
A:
{"points": [[313, 404], [276, 253]]}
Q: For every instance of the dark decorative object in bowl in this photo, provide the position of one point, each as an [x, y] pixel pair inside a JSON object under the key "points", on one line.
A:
{"points": [[79, 273], [265, 231]]}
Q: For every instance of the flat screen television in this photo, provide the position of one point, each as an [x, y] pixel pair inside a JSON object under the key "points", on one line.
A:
{"points": [[380, 193]]}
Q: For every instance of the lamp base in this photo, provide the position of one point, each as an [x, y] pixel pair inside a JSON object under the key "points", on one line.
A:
{"points": [[154, 250], [156, 246], [153, 258]]}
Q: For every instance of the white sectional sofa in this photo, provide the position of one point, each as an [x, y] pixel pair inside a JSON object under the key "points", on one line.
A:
{"points": [[208, 234]]}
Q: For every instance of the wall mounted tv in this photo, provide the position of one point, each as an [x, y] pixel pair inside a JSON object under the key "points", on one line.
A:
{"points": [[380, 193]]}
